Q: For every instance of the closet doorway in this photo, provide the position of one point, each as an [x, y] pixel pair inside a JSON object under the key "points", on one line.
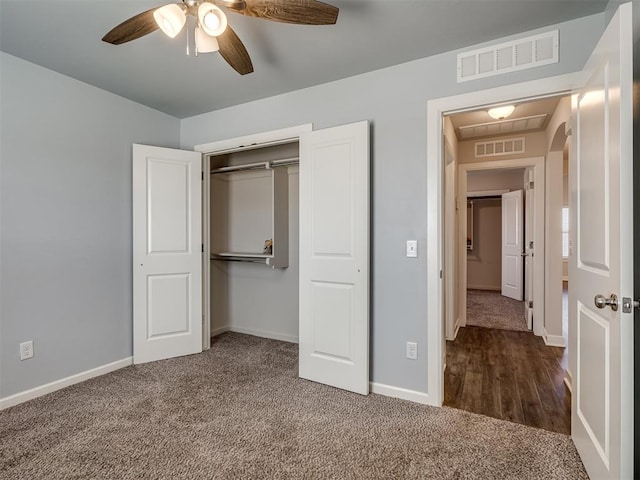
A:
{"points": [[286, 245]]}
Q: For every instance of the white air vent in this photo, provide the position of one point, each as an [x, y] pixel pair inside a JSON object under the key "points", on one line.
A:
{"points": [[509, 126], [508, 57], [500, 147]]}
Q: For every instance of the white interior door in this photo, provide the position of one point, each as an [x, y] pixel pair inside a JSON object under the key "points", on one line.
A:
{"points": [[167, 268], [334, 257], [512, 245], [601, 257]]}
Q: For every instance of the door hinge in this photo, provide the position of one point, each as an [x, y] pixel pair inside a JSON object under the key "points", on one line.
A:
{"points": [[202, 245], [440, 273], [531, 184], [202, 176], [530, 304]]}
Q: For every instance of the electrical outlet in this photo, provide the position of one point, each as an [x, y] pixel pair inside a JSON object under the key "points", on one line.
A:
{"points": [[26, 350], [412, 350]]}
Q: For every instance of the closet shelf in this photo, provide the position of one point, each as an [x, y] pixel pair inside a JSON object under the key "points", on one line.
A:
{"points": [[243, 254], [243, 257]]}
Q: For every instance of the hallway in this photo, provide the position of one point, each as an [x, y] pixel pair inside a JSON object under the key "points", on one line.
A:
{"points": [[511, 375]]}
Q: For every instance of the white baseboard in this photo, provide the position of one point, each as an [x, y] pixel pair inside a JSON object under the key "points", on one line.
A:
{"points": [[285, 337], [456, 329], [36, 392], [492, 288], [553, 340], [397, 392], [568, 381], [219, 331]]}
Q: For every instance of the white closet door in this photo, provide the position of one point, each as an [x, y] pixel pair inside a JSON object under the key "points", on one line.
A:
{"points": [[167, 268], [512, 245], [334, 257]]}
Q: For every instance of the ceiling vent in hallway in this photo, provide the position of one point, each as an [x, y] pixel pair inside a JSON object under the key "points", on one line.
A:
{"points": [[502, 127], [507, 57]]}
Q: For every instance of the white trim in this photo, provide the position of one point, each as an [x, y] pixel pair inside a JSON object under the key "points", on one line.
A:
{"points": [[401, 393], [553, 340], [435, 160], [491, 288], [219, 331], [36, 392], [486, 193], [206, 255], [284, 337], [247, 142], [568, 381], [256, 140]]}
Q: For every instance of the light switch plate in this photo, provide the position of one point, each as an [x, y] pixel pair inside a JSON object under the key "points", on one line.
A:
{"points": [[412, 248]]}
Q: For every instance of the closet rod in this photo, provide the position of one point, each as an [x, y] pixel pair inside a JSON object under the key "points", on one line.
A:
{"points": [[256, 166]]}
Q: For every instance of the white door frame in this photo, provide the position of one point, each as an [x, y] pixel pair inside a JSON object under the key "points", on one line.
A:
{"points": [[544, 87], [246, 142], [538, 165]]}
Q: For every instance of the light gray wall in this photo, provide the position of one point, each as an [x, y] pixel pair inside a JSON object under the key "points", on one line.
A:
{"points": [[482, 180], [65, 224], [394, 100]]}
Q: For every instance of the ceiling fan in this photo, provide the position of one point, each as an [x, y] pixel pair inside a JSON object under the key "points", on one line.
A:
{"points": [[212, 33]]}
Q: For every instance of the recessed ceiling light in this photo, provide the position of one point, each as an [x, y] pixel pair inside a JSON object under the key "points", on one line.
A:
{"points": [[501, 112]]}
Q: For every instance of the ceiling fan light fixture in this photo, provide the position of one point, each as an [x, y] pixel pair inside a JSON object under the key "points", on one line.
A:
{"points": [[212, 20], [501, 112], [205, 43], [170, 19]]}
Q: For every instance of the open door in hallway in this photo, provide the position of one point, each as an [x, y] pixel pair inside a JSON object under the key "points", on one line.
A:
{"points": [[601, 257], [512, 244]]}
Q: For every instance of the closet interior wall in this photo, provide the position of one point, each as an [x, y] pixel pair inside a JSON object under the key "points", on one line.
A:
{"points": [[248, 297]]}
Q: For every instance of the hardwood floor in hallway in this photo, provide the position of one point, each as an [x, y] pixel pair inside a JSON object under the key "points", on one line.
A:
{"points": [[509, 375]]}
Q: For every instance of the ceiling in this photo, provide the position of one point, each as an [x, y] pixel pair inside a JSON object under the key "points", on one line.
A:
{"points": [[65, 36], [531, 116]]}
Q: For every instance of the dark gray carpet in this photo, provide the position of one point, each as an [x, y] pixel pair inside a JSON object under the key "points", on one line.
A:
{"points": [[491, 310], [239, 411]]}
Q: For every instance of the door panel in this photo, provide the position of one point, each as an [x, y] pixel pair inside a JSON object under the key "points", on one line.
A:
{"points": [[599, 262], [167, 268], [512, 244], [334, 257]]}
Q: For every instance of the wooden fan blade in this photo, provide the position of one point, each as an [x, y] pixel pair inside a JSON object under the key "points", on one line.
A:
{"points": [[233, 51], [136, 27], [302, 12]]}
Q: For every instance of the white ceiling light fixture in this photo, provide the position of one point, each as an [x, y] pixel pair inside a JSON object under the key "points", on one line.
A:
{"points": [[212, 20], [501, 112], [205, 43], [170, 18]]}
